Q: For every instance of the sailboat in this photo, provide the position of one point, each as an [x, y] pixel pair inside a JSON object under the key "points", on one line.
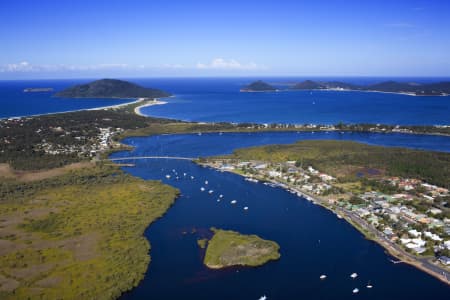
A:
{"points": [[354, 275], [323, 276]]}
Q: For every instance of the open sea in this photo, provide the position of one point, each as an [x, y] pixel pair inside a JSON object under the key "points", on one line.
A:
{"points": [[313, 240], [219, 99]]}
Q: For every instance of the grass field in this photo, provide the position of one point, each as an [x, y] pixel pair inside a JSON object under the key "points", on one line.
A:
{"points": [[81, 237]]}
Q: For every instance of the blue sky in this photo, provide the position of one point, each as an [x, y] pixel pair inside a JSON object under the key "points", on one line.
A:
{"points": [[63, 39]]}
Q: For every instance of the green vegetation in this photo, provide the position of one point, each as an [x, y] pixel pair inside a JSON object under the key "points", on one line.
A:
{"points": [[79, 234], [22, 140], [345, 159], [258, 86], [202, 243], [428, 89], [110, 88], [229, 248]]}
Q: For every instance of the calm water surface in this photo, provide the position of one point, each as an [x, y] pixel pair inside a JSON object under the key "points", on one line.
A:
{"points": [[313, 241]]}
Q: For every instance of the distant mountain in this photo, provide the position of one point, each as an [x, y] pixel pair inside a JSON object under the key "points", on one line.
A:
{"points": [[258, 86], [429, 89], [110, 88], [308, 85], [318, 85]]}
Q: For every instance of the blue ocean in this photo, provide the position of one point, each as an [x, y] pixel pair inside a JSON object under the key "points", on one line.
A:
{"points": [[313, 240], [219, 99], [211, 100], [14, 102]]}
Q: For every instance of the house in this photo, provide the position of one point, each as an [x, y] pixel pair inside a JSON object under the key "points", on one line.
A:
{"points": [[414, 233], [388, 231], [432, 236], [419, 242], [274, 174], [435, 211], [444, 260], [261, 166]]}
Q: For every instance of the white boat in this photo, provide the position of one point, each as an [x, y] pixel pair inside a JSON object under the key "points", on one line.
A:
{"points": [[246, 208], [339, 216], [220, 196], [168, 176], [184, 174], [233, 202], [206, 181], [323, 277], [354, 275], [202, 189], [263, 298], [218, 200], [192, 177], [369, 286], [355, 290], [210, 191]]}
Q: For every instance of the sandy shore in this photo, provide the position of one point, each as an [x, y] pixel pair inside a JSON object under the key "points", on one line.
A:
{"points": [[118, 105], [137, 110]]}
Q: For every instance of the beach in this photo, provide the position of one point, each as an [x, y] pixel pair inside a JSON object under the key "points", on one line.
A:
{"points": [[137, 110]]}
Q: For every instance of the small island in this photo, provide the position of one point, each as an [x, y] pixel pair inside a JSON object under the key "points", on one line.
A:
{"points": [[111, 88], [229, 248], [258, 86], [408, 88]]}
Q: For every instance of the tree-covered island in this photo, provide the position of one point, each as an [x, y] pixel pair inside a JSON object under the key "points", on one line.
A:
{"points": [[229, 248]]}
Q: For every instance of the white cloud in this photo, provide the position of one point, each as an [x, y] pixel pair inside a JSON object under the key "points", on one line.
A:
{"points": [[174, 66], [228, 64], [26, 67]]}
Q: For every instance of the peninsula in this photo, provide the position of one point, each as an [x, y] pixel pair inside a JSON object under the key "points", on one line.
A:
{"points": [[111, 88], [397, 197], [229, 248], [258, 86], [409, 88]]}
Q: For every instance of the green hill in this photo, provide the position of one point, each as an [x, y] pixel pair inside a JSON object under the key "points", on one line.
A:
{"points": [[110, 88], [258, 86]]}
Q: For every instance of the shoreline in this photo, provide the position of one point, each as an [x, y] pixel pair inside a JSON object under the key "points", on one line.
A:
{"points": [[359, 225], [77, 110], [363, 91], [156, 101]]}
